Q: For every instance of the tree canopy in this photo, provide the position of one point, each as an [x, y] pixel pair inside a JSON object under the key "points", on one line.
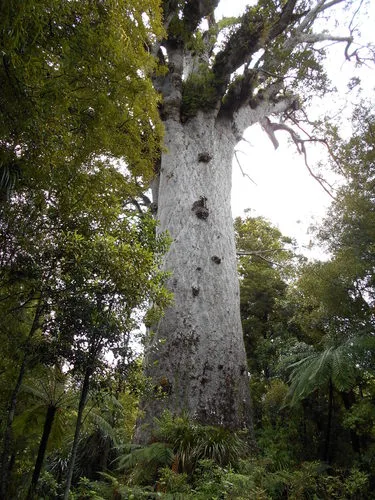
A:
{"points": [[74, 80], [85, 87]]}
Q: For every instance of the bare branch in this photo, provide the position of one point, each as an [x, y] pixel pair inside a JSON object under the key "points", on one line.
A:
{"points": [[307, 23], [322, 37], [271, 128], [266, 103], [321, 141], [196, 10], [244, 174], [243, 254], [284, 21], [330, 4], [313, 13], [354, 15], [137, 205]]}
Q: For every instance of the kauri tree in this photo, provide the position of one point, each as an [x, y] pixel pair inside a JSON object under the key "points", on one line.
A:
{"points": [[219, 78]]}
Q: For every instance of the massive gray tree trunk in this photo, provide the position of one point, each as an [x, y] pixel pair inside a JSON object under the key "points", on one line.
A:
{"points": [[211, 92], [196, 354]]}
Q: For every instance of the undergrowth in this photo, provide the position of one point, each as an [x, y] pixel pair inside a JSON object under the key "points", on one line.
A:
{"points": [[190, 461]]}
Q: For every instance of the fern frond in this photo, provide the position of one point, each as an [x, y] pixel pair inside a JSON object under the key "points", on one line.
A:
{"points": [[104, 426], [159, 454]]}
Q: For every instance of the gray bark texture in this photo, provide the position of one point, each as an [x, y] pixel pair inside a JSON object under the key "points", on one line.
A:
{"points": [[196, 355]]}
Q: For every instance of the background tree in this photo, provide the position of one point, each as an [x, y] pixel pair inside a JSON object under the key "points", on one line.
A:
{"points": [[335, 298], [92, 267], [267, 265], [74, 89]]}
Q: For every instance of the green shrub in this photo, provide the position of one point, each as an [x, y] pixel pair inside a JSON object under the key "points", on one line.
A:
{"points": [[192, 442], [172, 482]]}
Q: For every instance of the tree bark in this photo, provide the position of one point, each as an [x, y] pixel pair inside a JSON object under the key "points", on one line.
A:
{"points": [[196, 355], [73, 454], [50, 416], [349, 400], [327, 443]]}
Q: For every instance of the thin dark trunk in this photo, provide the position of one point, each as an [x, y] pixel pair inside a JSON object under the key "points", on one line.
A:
{"points": [[348, 399], [304, 428], [50, 416], [5, 465], [81, 407], [5, 469], [326, 455]]}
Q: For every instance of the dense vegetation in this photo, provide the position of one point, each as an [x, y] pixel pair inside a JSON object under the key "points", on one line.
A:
{"points": [[80, 270], [308, 327]]}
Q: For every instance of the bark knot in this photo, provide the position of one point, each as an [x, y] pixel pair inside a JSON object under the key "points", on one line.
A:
{"points": [[204, 157], [153, 208], [216, 259], [200, 208]]}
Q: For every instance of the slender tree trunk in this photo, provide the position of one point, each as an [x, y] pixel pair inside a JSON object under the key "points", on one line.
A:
{"points": [[348, 400], [73, 454], [5, 470], [50, 416], [7, 439], [327, 443], [196, 356]]}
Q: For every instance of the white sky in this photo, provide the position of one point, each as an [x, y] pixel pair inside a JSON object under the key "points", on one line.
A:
{"points": [[285, 192]]}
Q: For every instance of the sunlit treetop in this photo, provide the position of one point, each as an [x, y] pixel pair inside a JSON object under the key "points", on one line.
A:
{"points": [[74, 83]]}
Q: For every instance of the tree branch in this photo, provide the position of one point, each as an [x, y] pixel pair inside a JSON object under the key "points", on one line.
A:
{"points": [[321, 6], [284, 21], [270, 129], [196, 10], [244, 174], [254, 34], [266, 103], [255, 254], [251, 35], [322, 37]]}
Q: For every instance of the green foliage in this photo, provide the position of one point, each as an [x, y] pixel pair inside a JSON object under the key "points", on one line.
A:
{"points": [[361, 418], [333, 364], [146, 462], [190, 451], [192, 442], [73, 79], [76, 263], [47, 486], [86, 490], [173, 482], [199, 92]]}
